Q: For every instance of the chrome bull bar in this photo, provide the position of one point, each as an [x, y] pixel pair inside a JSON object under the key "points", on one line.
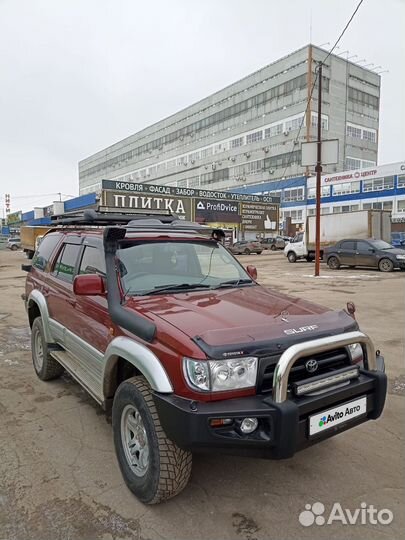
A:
{"points": [[315, 346]]}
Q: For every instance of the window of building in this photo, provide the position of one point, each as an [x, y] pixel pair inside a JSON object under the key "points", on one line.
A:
{"points": [[194, 156], [367, 206], [253, 137], [352, 131], [254, 166], [378, 184], [354, 207], [218, 148], [370, 135], [311, 192], [325, 210], [296, 194], [274, 193], [314, 120], [401, 206], [171, 164], [294, 123], [295, 215], [311, 211], [355, 163], [272, 131], [92, 261], [235, 143], [337, 209], [66, 262], [363, 98], [194, 181], [345, 188], [387, 205], [401, 181], [45, 250]]}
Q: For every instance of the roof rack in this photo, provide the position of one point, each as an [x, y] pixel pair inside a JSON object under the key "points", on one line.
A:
{"points": [[90, 216], [130, 220]]}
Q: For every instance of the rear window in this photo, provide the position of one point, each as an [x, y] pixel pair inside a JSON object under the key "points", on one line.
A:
{"points": [[66, 262], [45, 250]]}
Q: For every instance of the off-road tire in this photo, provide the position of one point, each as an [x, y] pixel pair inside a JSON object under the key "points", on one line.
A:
{"points": [[169, 466], [292, 257], [246, 252], [333, 263], [49, 368], [385, 265]]}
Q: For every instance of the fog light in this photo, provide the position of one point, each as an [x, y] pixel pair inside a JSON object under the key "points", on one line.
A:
{"points": [[248, 425]]}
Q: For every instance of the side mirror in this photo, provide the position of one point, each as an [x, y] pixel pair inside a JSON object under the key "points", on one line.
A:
{"points": [[252, 271], [372, 250], [88, 285]]}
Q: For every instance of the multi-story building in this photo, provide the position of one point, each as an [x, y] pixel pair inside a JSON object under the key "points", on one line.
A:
{"points": [[252, 130], [379, 188]]}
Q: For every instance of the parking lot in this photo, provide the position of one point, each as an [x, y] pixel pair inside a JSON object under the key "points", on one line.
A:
{"points": [[59, 478]]}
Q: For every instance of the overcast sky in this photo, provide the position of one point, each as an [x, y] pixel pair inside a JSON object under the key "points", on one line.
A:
{"points": [[79, 75]]}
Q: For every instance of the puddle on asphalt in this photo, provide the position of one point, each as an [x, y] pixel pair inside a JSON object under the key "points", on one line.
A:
{"points": [[15, 339]]}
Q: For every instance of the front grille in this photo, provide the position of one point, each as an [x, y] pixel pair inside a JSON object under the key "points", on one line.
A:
{"points": [[327, 362]]}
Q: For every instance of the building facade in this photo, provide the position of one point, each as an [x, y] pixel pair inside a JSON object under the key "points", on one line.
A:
{"points": [[378, 188], [252, 130]]}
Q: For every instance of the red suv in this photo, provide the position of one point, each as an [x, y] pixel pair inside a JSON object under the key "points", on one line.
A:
{"points": [[168, 332]]}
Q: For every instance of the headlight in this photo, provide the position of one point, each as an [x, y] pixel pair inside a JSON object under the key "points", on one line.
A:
{"points": [[220, 375], [400, 257], [356, 353]]}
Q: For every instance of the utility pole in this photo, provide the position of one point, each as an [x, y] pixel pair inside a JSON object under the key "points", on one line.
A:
{"points": [[318, 170]]}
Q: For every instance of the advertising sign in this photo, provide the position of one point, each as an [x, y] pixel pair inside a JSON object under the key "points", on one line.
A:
{"points": [[259, 217], [211, 210], [149, 203], [15, 217]]}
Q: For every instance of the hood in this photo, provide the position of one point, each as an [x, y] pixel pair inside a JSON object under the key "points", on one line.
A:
{"points": [[393, 251], [244, 319]]}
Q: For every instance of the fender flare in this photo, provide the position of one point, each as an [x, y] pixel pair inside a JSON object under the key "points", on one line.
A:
{"points": [[139, 356], [36, 297]]}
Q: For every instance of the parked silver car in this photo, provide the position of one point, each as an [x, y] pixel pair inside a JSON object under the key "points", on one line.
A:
{"points": [[13, 243], [273, 243]]}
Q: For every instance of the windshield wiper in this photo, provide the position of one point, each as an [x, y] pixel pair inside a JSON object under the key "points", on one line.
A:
{"points": [[172, 287], [233, 283]]}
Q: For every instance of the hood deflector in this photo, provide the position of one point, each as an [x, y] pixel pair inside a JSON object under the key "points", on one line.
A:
{"points": [[252, 341]]}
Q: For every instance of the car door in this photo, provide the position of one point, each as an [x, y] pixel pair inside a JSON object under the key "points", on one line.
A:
{"points": [[365, 254], [346, 252], [92, 322], [61, 300]]}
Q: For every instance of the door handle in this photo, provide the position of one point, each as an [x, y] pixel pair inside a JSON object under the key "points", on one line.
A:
{"points": [[357, 253]]}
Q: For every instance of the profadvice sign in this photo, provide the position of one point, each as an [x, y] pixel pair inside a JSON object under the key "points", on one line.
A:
{"points": [[247, 211]]}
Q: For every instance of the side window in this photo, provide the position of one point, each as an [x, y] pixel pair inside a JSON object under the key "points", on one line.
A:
{"points": [[45, 250], [347, 245], [363, 246], [66, 262], [92, 262]]}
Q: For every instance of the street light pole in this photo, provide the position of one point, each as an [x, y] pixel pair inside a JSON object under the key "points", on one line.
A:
{"points": [[318, 170]]}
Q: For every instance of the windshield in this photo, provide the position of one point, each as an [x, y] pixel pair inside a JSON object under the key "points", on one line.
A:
{"points": [[380, 244], [148, 267]]}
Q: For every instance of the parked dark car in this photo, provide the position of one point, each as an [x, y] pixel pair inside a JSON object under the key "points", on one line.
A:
{"points": [[246, 248], [273, 243], [398, 239], [369, 252]]}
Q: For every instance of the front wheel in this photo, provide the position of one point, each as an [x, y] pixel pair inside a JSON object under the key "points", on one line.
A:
{"points": [[246, 252], [14, 247], [273, 247], [292, 257], [333, 263], [386, 265], [153, 467], [46, 367]]}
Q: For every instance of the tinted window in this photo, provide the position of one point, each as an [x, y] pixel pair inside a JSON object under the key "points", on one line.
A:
{"points": [[363, 246], [349, 244], [66, 262], [45, 250], [92, 262]]}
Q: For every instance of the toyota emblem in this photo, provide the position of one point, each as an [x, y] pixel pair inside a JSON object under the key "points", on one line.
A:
{"points": [[311, 365]]}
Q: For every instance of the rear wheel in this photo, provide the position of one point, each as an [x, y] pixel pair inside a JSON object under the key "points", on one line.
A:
{"points": [[153, 467], [46, 367], [246, 251], [14, 247], [333, 263], [292, 257], [386, 265]]}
